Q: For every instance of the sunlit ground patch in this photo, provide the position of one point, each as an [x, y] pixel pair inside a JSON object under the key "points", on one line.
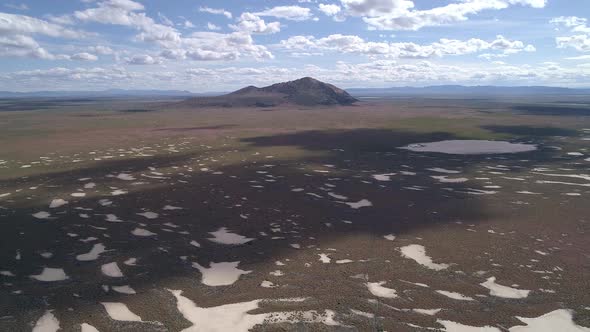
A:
{"points": [[470, 147], [417, 253], [504, 291], [220, 274], [51, 274], [224, 236]]}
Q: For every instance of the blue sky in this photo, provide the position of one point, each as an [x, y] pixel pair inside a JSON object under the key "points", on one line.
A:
{"points": [[226, 44]]}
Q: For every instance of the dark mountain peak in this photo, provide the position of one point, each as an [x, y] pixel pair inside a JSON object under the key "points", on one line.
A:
{"points": [[246, 90], [309, 91], [307, 80], [304, 91], [302, 83]]}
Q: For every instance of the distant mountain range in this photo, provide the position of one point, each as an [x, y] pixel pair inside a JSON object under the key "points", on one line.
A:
{"points": [[305, 91], [99, 94], [311, 93], [467, 90]]}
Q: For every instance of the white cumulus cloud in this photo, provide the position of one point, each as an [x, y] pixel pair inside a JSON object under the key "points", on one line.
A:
{"points": [[293, 13], [249, 22], [330, 9], [402, 15], [581, 40], [444, 47], [84, 56], [215, 11]]}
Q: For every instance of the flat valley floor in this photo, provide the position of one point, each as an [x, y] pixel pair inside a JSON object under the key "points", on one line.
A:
{"points": [[128, 215]]}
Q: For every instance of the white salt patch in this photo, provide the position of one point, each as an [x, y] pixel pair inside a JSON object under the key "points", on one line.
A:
{"points": [[389, 237], [142, 232], [131, 261], [418, 254], [111, 270], [575, 176], [470, 147], [6, 274], [105, 202], [120, 312], [51, 274], [42, 215], [90, 185], [78, 194], [504, 291], [88, 239], [170, 208], [473, 191], [363, 313], [112, 218], [377, 289], [124, 290], [229, 317], [267, 284], [455, 295], [446, 179], [359, 204], [57, 203], [118, 192], [458, 327], [149, 215], [324, 258], [93, 254], [558, 320], [46, 254], [277, 273], [125, 177], [564, 183], [442, 170], [512, 178], [344, 261], [47, 323], [88, 328], [235, 317], [429, 312], [195, 243], [223, 236], [337, 196], [220, 274], [295, 245], [383, 177]]}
